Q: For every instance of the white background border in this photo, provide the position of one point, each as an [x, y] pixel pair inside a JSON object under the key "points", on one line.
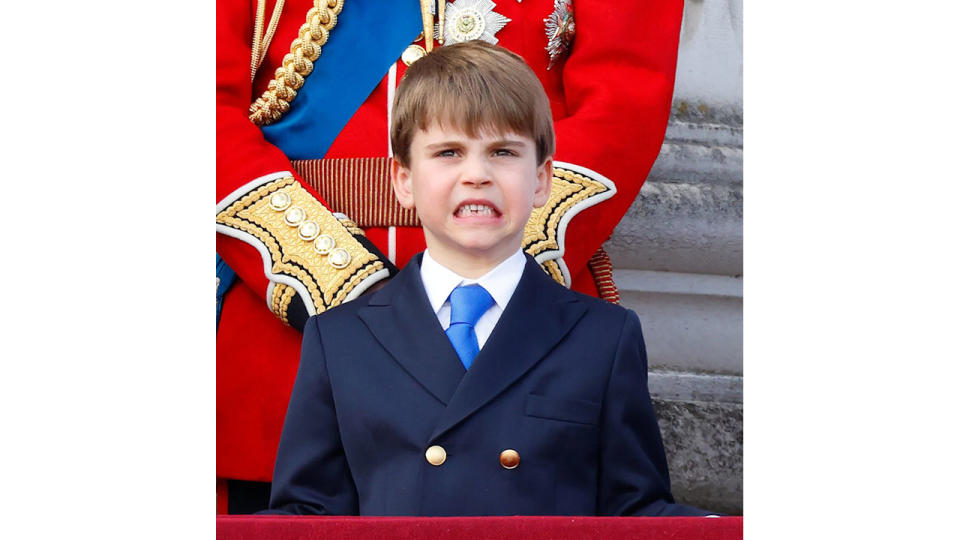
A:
{"points": [[107, 393], [850, 277]]}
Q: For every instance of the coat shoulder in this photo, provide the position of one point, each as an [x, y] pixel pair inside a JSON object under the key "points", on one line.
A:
{"points": [[345, 313], [597, 307]]}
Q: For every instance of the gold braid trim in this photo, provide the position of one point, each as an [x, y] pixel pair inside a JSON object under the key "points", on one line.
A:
{"points": [[351, 226], [553, 270], [280, 301], [289, 254], [567, 189], [297, 64], [541, 232], [261, 41]]}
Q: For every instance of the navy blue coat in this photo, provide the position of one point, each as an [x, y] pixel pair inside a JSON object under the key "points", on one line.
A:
{"points": [[562, 380]]}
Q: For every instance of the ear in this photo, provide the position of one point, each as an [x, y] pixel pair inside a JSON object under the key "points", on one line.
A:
{"points": [[401, 180], [544, 183]]}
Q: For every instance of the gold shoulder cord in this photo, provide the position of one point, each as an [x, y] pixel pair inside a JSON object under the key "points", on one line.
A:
{"points": [[426, 14], [261, 41], [280, 301], [297, 64]]}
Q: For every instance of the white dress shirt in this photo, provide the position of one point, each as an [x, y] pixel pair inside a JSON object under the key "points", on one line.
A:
{"points": [[439, 281]]}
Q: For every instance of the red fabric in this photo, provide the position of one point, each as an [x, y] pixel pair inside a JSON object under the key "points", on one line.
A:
{"points": [[610, 99], [263, 385], [546, 527], [221, 496]]}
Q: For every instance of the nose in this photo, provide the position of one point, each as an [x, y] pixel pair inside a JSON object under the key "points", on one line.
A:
{"points": [[476, 172]]}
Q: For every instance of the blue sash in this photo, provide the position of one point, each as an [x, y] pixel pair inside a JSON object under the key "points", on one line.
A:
{"points": [[225, 278], [368, 38]]}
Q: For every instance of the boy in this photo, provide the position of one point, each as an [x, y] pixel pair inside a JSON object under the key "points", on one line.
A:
{"points": [[472, 383]]}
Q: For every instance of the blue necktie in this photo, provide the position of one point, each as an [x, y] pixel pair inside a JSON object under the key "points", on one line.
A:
{"points": [[467, 304]]}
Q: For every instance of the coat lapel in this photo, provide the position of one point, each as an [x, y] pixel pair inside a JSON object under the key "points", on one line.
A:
{"points": [[534, 321], [401, 319]]}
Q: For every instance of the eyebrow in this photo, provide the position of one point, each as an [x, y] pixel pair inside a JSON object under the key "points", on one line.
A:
{"points": [[442, 144], [457, 143], [508, 142]]}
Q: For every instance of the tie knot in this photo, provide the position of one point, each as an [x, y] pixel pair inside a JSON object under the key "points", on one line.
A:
{"points": [[468, 303]]}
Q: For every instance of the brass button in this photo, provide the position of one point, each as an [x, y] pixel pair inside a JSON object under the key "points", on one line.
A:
{"points": [[436, 455], [280, 201], [324, 244], [308, 230], [294, 216], [413, 53], [339, 258], [509, 458]]}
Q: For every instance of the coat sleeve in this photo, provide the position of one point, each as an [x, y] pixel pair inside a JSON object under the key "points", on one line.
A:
{"points": [[634, 479], [311, 475], [266, 253], [617, 85]]}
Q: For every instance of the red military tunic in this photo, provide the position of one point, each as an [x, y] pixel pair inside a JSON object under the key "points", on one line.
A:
{"points": [[610, 95]]}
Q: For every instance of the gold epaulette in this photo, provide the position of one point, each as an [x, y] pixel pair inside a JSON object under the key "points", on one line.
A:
{"points": [[306, 249], [574, 188]]}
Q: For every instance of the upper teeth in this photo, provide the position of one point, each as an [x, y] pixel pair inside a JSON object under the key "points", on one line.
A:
{"points": [[476, 209]]}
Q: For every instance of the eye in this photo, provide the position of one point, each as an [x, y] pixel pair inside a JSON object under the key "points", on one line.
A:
{"points": [[448, 152], [504, 152]]}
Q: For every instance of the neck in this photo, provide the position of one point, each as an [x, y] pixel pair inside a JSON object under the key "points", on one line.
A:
{"points": [[468, 266]]}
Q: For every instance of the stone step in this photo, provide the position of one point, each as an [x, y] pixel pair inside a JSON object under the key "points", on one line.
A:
{"points": [[682, 227], [689, 386], [706, 133], [698, 162], [691, 322]]}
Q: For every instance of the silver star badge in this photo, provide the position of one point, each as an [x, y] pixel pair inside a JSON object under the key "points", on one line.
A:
{"points": [[472, 19]]}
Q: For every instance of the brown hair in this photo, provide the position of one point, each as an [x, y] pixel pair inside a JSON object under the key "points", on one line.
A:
{"points": [[472, 86]]}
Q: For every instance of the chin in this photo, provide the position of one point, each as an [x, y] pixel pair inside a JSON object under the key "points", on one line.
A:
{"points": [[487, 250], [477, 250]]}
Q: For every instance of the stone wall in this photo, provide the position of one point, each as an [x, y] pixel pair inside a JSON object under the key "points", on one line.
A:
{"points": [[678, 262]]}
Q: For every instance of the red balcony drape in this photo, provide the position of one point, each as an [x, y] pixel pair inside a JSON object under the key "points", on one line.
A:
{"points": [[459, 528]]}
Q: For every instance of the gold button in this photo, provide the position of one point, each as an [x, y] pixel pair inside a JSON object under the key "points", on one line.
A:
{"points": [[324, 243], [280, 201], [436, 455], [413, 53], [339, 258], [308, 230], [294, 216], [509, 458]]}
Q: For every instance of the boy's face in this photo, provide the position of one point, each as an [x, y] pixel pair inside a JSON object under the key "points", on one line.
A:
{"points": [[473, 194]]}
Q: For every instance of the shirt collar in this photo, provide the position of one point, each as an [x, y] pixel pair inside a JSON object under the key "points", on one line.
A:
{"points": [[500, 282]]}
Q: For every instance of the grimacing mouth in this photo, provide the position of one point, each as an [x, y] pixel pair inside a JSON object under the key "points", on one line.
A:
{"points": [[478, 207]]}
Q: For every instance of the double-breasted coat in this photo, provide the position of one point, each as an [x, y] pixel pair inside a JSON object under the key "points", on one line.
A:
{"points": [[384, 420]]}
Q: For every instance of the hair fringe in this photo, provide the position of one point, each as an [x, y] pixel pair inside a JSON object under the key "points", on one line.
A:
{"points": [[473, 87]]}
